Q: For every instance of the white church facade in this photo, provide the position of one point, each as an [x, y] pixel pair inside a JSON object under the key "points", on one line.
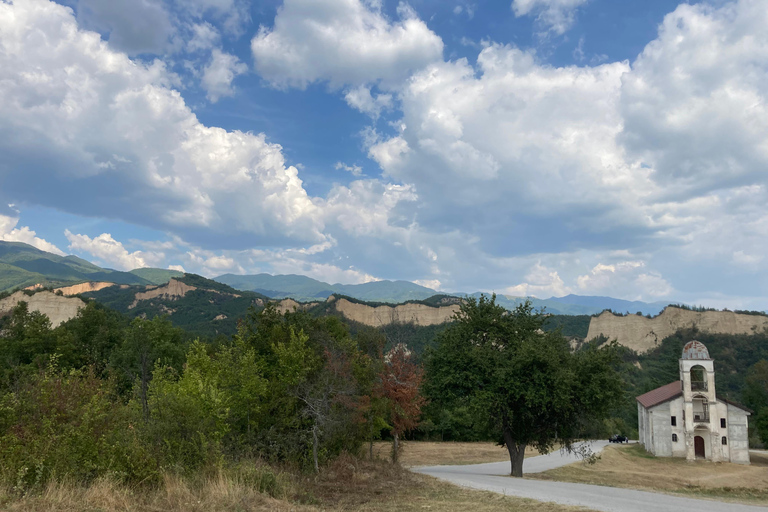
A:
{"points": [[686, 419]]}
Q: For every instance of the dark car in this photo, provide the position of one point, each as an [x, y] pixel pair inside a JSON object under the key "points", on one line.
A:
{"points": [[618, 438]]}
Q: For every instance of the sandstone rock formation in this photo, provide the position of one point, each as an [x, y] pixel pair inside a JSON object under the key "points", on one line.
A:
{"points": [[76, 289], [643, 334], [170, 291], [57, 308], [418, 314], [290, 306]]}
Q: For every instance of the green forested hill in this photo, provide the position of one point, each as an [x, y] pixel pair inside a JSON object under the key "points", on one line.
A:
{"points": [[156, 275], [211, 309], [306, 288], [22, 265]]}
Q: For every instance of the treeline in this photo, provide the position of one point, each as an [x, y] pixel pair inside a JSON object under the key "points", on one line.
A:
{"points": [[132, 400]]}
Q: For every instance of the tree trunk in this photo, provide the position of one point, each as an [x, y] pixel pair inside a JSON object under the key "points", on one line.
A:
{"points": [[395, 447], [370, 448], [314, 448], [516, 455]]}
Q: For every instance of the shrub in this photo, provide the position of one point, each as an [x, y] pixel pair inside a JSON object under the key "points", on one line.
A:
{"points": [[62, 425]]}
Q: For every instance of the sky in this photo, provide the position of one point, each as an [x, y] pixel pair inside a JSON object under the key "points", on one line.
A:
{"points": [[526, 147]]}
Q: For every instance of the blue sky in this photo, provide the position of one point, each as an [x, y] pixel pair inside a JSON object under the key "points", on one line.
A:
{"points": [[527, 147]]}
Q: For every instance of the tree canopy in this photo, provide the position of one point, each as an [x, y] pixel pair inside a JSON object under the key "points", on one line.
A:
{"points": [[521, 385]]}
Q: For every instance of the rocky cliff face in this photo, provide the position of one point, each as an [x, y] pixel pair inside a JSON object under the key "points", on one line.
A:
{"points": [[643, 334], [378, 316], [76, 289], [172, 290], [57, 308]]}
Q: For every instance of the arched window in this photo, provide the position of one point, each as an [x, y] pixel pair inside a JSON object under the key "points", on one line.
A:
{"points": [[674, 438], [698, 378], [700, 409], [724, 440]]}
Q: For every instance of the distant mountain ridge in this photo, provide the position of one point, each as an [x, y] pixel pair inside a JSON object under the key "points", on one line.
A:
{"points": [[615, 305], [305, 288], [22, 265]]}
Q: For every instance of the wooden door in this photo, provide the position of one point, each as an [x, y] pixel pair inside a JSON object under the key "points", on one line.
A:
{"points": [[698, 447]]}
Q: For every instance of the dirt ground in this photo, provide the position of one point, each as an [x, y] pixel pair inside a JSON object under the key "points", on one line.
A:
{"points": [[632, 467], [425, 453]]}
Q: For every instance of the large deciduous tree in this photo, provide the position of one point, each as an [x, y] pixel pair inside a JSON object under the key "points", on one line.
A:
{"points": [[524, 387]]}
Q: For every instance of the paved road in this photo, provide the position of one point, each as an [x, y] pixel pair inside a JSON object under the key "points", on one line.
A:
{"points": [[494, 477]]}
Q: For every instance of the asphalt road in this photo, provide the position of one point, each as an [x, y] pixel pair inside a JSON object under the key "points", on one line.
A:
{"points": [[495, 477]]}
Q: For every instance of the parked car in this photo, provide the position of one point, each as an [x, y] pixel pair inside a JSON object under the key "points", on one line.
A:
{"points": [[618, 438]]}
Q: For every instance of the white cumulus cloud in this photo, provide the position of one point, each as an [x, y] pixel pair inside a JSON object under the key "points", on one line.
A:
{"points": [[556, 15], [219, 74], [82, 118], [342, 42], [10, 233], [110, 251]]}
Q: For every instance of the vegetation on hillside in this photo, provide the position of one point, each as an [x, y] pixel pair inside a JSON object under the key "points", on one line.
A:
{"points": [[101, 396], [22, 265]]}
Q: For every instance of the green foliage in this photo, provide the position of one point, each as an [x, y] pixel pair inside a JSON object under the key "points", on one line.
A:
{"points": [[211, 310], [522, 386], [569, 325], [65, 425]]}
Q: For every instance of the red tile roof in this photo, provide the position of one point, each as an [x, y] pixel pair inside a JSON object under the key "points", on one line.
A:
{"points": [[661, 395]]}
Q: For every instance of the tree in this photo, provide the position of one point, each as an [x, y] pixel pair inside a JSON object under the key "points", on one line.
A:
{"points": [[524, 386], [755, 396], [400, 385], [145, 343]]}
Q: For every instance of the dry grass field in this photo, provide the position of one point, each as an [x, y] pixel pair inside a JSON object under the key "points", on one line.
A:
{"points": [[349, 484], [632, 467], [425, 453]]}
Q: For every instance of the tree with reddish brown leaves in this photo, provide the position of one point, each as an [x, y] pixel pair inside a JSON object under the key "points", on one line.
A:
{"points": [[401, 385]]}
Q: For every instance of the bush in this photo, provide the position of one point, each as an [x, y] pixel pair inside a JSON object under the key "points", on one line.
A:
{"points": [[64, 425]]}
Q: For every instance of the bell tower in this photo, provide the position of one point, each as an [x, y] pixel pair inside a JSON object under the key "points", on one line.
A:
{"points": [[697, 375]]}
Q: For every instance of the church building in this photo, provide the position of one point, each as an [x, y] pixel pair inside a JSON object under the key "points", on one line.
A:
{"points": [[686, 419]]}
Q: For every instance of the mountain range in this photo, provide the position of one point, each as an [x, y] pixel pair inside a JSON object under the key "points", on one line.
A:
{"points": [[305, 288], [22, 265]]}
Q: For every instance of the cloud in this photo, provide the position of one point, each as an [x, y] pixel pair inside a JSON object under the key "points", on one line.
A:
{"points": [[429, 283], [360, 98], [512, 135], [355, 170], [10, 233], [106, 133], [617, 279], [555, 15], [110, 251], [695, 106], [132, 26], [219, 74], [342, 42], [204, 37], [540, 282], [176, 267]]}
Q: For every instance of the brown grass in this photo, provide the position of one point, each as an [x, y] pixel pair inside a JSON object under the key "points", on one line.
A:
{"points": [[632, 467], [349, 484], [425, 453]]}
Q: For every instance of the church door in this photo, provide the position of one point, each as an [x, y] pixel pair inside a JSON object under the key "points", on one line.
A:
{"points": [[698, 447]]}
